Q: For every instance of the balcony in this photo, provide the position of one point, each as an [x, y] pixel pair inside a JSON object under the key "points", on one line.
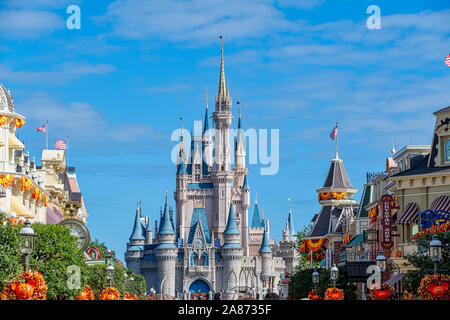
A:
{"points": [[348, 256]]}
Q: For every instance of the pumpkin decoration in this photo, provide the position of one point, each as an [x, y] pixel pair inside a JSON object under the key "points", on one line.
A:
{"points": [[385, 292], [129, 296], [30, 285], [109, 293], [434, 287], [86, 294], [24, 291], [334, 294], [313, 295], [339, 195]]}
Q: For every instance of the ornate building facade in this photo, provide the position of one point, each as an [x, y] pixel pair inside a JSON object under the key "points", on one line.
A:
{"points": [[210, 246]]}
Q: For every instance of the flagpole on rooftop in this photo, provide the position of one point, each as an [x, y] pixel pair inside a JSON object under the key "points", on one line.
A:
{"points": [[67, 149], [337, 137]]}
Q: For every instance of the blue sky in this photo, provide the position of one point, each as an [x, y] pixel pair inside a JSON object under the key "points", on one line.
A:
{"points": [[121, 82]]}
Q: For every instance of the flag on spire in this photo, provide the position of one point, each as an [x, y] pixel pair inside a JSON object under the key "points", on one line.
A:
{"points": [[334, 133]]}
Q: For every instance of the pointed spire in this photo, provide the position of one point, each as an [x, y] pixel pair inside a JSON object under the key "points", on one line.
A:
{"points": [[245, 184], [265, 246], [290, 223], [137, 228], [165, 226], [256, 220], [263, 221], [222, 85], [231, 227], [181, 153], [181, 167], [206, 122], [256, 198]]}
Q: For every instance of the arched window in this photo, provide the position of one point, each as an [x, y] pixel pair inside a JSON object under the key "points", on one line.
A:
{"points": [[194, 259], [204, 259], [447, 151]]}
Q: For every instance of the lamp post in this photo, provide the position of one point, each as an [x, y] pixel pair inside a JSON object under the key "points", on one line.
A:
{"points": [[152, 292], [381, 263], [315, 278], [27, 244], [334, 274], [435, 252], [110, 274]]}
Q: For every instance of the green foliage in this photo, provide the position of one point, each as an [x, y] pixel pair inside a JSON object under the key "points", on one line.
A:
{"points": [[101, 246], [55, 250], [301, 283], [10, 257], [422, 262]]}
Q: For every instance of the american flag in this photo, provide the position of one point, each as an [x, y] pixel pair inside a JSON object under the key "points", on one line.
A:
{"points": [[41, 128], [333, 133], [447, 60], [60, 145]]}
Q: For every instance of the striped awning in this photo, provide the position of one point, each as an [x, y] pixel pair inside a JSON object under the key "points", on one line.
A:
{"points": [[441, 203], [410, 215]]}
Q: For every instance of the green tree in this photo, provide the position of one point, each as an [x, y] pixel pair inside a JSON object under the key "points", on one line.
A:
{"points": [[55, 250], [301, 283], [422, 262], [10, 257]]}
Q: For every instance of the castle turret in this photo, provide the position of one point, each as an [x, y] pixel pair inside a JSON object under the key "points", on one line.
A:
{"points": [[207, 143], [136, 244], [166, 253], [266, 258], [232, 253], [240, 169]]}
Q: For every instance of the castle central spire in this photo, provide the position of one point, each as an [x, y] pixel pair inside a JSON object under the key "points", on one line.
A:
{"points": [[221, 95]]}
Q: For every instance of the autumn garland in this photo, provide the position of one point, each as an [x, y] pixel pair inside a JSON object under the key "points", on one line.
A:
{"points": [[385, 292], [434, 287], [433, 230], [334, 294], [29, 286]]}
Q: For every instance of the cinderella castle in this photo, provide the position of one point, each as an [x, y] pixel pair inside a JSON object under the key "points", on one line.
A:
{"points": [[210, 246]]}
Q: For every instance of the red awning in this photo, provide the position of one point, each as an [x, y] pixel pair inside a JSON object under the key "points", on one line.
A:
{"points": [[410, 215], [441, 203]]}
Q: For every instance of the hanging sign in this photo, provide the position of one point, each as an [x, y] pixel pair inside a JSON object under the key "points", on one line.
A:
{"points": [[386, 221]]}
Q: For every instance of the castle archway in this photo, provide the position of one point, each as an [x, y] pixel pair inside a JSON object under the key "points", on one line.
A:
{"points": [[199, 290]]}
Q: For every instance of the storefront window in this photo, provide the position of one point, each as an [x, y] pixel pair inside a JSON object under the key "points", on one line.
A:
{"points": [[415, 229]]}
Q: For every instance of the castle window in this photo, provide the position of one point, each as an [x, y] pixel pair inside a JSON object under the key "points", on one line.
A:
{"points": [[447, 151]]}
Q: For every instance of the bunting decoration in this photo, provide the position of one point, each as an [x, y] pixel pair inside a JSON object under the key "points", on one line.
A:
{"points": [[45, 200], [373, 213], [19, 123], [3, 120], [6, 179], [37, 194], [26, 184], [338, 195], [315, 245]]}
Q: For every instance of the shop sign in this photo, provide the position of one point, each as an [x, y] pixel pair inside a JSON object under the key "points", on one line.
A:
{"points": [[386, 221]]}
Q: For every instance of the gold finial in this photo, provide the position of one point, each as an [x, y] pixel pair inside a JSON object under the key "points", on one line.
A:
{"points": [[262, 214], [181, 119], [206, 95], [166, 196], [256, 198], [239, 111]]}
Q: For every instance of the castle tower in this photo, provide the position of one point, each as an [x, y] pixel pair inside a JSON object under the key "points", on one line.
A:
{"points": [[136, 244], [166, 253], [232, 253], [181, 189], [266, 259], [240, 169], [222, 176], [207, 143]]}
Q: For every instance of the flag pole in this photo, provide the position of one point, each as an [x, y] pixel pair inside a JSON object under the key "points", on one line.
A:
{"points": [[67, 150], [337, 137], [46, 133]]}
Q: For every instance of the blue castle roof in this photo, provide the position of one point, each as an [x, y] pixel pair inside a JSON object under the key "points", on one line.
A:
{"points": [[199, 216], [181, 167], [291, 227], [231, 227], [265, 246], [137, 229], [245, 185], [165, 226], [256, 220]]}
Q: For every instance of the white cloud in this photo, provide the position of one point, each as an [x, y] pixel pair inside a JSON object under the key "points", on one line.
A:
{"points": [[61, 73], [198, 21], [29, 24]]}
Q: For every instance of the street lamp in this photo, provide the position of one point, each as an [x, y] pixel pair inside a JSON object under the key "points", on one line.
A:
{"points": [[435, 252], [110, 274], [152, 292], [27, 244], [108, 256], [315, 278], [334, 274], [381, 263]]}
